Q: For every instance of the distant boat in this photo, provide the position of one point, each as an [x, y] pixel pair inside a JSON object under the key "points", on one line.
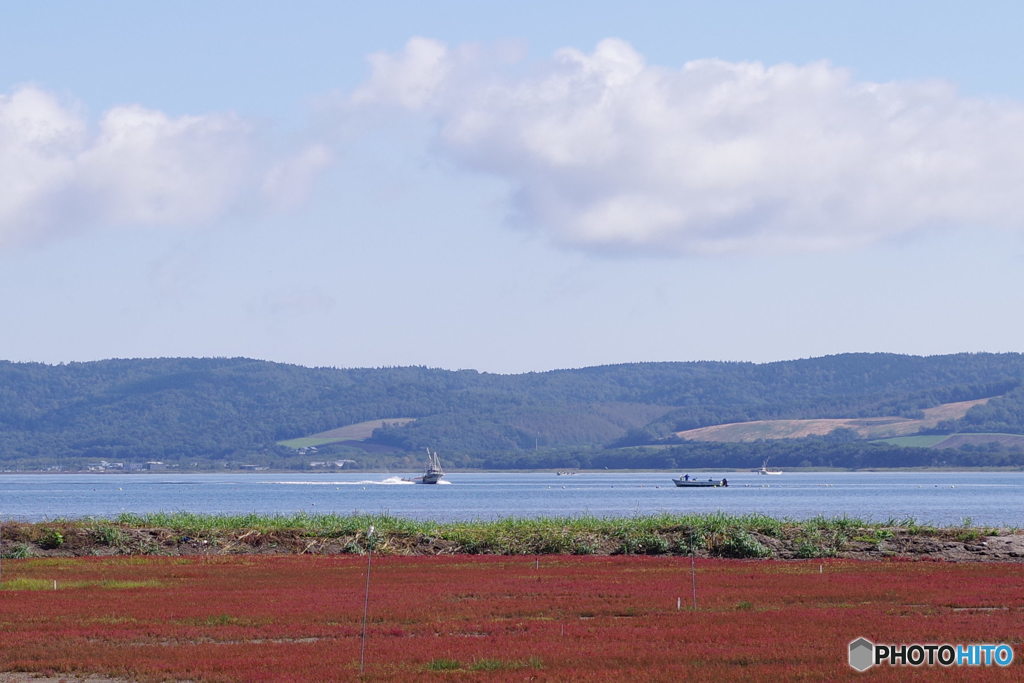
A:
{"points": [[687, 482], [764, 469], [434, 471]]}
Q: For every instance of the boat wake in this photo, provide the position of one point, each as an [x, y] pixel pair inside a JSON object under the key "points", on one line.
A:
{"points": [[390, 481]]}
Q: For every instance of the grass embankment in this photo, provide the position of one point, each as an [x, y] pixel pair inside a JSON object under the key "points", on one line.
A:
{"points": [[706, 535]]}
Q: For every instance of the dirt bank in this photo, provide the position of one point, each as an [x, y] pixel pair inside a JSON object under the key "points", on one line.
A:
{"points": [[70, 539]]}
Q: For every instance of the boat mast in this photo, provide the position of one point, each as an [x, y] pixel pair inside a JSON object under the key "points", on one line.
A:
{"points": [[433, 462]]}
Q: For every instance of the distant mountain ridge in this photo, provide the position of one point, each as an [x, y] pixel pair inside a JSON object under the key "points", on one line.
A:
{"points": [[230, 410]]}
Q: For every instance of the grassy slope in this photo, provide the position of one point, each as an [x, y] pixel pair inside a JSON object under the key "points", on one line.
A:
{"points": [[920, 441], [868, 428], [354, 432], [960, 440]]}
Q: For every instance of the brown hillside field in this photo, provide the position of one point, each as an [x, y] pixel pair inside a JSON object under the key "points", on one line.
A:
{"points": [[868, 427], [361, 430]]}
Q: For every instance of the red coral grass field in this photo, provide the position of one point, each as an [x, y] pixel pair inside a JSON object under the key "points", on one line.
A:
{"points": [[300, 618]]}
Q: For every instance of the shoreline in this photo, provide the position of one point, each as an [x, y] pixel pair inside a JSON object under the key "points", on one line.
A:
{"points": [[711, 535], [554, 471]]}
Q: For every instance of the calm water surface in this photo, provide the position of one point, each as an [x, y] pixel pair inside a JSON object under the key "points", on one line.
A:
{"points": [[944, 498]]}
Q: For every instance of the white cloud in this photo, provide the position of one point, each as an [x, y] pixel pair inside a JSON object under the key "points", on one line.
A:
{"points": [[133, 167], [38, 140], [289, 182], [145, 167], [408, 79], [605, 151]]}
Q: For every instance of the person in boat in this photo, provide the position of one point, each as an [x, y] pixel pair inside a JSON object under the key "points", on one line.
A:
{"points": [[725, 482], [686, 477]]}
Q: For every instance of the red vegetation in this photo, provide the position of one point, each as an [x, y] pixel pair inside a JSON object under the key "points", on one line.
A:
{"points": [[232, 618]]}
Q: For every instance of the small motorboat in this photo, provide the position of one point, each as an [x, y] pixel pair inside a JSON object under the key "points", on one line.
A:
{"points": [[689, 482]]}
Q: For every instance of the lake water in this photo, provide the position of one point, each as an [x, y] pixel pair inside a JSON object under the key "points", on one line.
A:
{"points": [[942, 498]]}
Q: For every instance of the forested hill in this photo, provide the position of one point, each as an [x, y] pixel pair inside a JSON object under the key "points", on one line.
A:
{"points": [[214, 410]]}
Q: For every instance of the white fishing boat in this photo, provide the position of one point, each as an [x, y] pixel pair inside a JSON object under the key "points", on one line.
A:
{"points": [[434, 471], [764, 469]]}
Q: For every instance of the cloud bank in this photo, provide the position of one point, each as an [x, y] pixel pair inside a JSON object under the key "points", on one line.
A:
{"points": [[134, 167], [607, 152]]}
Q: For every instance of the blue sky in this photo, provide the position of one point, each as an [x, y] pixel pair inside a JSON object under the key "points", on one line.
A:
{"points": [[509, 187]]}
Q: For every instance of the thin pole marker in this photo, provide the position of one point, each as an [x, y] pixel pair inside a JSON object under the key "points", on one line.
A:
{"points": [[366, 600]]}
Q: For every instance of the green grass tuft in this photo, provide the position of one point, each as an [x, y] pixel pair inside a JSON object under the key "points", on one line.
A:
{"points": [[26, 584], [505, 665], [443, 664]]}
